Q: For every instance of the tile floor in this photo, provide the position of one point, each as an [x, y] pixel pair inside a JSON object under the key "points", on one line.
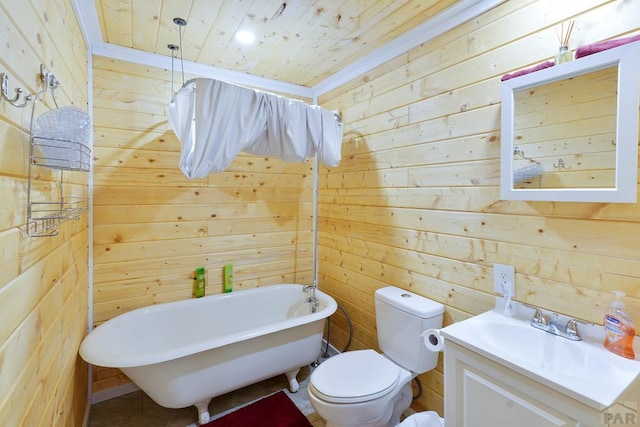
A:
{"points": [[138, 410]]}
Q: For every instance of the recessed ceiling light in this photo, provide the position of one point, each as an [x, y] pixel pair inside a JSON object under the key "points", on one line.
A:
{"points": [[245, 37]]}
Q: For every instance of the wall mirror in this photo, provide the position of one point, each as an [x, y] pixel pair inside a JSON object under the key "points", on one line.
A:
{"points": [[570, 132]]}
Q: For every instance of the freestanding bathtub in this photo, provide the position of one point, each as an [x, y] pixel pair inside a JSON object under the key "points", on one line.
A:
{"points": [[186, 352]]}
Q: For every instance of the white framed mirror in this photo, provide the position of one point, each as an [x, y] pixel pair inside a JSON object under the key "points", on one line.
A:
{"points": [[570, 132]]}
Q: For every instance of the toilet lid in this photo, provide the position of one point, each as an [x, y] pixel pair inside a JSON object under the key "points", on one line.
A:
{"points": [[355, 376]]}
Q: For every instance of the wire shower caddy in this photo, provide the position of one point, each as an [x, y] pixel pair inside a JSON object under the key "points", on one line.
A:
{"points": [[57, 140]]}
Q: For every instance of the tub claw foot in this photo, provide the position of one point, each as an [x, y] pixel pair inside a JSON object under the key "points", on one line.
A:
{"points": [[293, 382], [203, 411]]}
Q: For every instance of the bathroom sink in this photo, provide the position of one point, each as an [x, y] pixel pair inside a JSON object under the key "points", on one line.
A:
{"points": [[583, 369], [529, 346]]}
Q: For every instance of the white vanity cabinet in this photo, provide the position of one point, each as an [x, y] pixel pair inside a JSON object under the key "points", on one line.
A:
{"points": [[500, 371], [482, 393]]}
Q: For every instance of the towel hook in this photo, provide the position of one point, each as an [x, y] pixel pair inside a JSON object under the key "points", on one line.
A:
{"points": [[5, 93], [50, 82], [517, 152], [560, 165]]}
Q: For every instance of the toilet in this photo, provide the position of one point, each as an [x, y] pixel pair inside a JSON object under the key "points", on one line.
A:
{"points": [[365, 388]]}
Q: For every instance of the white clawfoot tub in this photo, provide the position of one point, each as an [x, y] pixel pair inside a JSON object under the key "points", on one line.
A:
{"points": [[186, 352]]}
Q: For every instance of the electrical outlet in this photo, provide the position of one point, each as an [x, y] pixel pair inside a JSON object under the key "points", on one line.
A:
{"points": [[504, 273]]}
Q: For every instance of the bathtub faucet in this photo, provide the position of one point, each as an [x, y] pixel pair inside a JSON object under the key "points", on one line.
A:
{"points": [[311, 299]]}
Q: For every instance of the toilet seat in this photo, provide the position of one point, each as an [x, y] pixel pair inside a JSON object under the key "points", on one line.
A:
{"points": [[355, 376]]}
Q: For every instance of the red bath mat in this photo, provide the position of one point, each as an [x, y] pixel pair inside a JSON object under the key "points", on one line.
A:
{"points": [[276, 410]]}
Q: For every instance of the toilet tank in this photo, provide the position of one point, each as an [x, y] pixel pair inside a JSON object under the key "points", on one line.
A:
{"points": [[401, 317]]}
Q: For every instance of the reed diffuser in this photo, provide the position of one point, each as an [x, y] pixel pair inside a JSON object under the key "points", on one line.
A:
{"points": [[564, 55]]}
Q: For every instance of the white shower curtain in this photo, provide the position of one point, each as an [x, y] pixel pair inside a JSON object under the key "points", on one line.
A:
{"points": [[215, 120]]}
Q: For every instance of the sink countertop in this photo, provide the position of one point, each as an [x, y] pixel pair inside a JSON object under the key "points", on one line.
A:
{"points": [[584, 370]]}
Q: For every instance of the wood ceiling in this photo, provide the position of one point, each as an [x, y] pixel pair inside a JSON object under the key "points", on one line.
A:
{"points": [[298, 41]]}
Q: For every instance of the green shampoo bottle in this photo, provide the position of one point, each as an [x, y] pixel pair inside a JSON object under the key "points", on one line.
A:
{"points": [[228, 278], [198, 283]]}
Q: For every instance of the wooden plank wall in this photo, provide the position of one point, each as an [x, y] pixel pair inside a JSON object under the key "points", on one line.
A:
{"points": [[153, 227], [43, 281], [415, 202]]}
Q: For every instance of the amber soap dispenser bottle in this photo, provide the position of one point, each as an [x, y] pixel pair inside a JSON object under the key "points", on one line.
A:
{"points": [[619, 330]]}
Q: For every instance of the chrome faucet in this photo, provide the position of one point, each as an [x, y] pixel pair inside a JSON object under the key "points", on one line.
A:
{"points": [[551, 325], [311, 299]]}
